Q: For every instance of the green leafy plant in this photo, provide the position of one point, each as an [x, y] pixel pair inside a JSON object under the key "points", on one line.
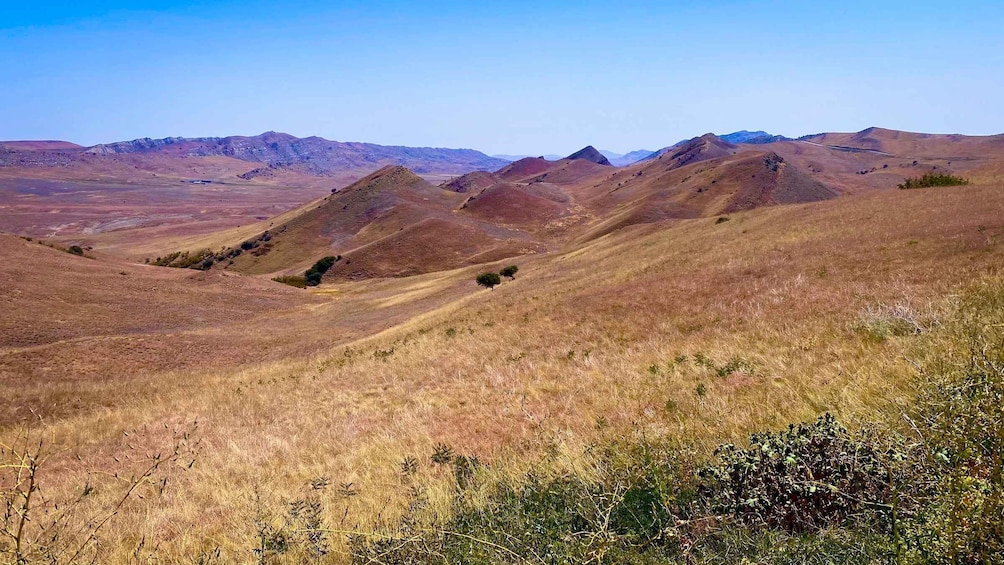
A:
{"points": [[801, 479], [509, 272]]}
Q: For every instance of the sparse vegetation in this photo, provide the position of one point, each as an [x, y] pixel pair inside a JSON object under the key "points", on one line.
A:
{"points": [[933, 179], [298, 281], [202, 260], [75, 250], [35, 527]]}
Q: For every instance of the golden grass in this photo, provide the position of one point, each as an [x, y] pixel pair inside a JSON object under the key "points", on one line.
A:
{"points": [[579, 337]]}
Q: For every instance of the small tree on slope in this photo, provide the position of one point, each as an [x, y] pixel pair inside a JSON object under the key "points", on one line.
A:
{"points": [[488, 280]]}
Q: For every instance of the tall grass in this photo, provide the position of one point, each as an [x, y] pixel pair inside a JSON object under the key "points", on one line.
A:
{"points": [[923, 486]]}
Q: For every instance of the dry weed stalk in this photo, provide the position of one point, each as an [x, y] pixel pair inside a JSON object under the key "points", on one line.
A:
{"points": [[36, 527]]}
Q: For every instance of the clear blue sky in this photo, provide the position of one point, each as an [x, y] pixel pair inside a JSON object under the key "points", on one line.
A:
{"points": [[512, 77]]}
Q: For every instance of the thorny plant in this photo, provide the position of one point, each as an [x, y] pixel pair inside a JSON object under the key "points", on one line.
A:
{"points": [[36, 526]]}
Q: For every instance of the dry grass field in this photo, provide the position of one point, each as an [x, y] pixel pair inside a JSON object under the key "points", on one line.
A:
{"points": [[698, 329]]}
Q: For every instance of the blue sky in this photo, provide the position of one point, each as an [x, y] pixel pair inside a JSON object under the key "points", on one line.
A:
{"points": [[513, 77]]}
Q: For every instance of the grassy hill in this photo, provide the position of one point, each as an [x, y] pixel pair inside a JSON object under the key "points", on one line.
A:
{"points": [[689, 330]]}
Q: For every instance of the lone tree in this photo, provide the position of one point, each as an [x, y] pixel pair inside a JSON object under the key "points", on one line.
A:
{"points": [[509, 271], [488, 280]]}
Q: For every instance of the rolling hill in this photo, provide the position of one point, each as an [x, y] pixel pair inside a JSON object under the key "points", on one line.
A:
{"points": [[394, 223], [390, 223], [690, 329]]}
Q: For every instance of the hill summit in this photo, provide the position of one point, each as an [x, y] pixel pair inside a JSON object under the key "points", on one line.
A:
{"points": [[590, 153]]}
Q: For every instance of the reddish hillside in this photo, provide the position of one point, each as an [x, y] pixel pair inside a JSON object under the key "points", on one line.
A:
{"points": [[432, 244], [525, 168], [708, 146], [904, 143], [524, 205], [660, 189], [569, 172], [471, 182], [391, 223]]}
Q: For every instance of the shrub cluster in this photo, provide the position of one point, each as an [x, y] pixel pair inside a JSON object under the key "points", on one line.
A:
{"points": [[313, 275], [205, 259], [933, 179], [801, 479], [202, 260], [490, 280]]}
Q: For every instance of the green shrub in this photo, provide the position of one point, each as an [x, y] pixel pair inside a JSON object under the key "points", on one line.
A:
{"points": [[933, 179], [75, 250], [312, 277], [623, 516], [805, 478], [509, 272], [315, 273], [959, 419], [488, 280]]}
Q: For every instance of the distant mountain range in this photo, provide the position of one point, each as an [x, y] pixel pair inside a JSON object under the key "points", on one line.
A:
{"points": [[275, 151], [744, 136], [513, 158], [625, 159]]}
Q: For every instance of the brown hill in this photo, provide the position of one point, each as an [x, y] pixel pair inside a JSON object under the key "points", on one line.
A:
{"points": [[529, 206], [590, 153], [909, 144], [877, 158], [391, 223], [571, 172], [471, 182], [660, 189], [40, 145], [525, 168], [708, 146]]}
